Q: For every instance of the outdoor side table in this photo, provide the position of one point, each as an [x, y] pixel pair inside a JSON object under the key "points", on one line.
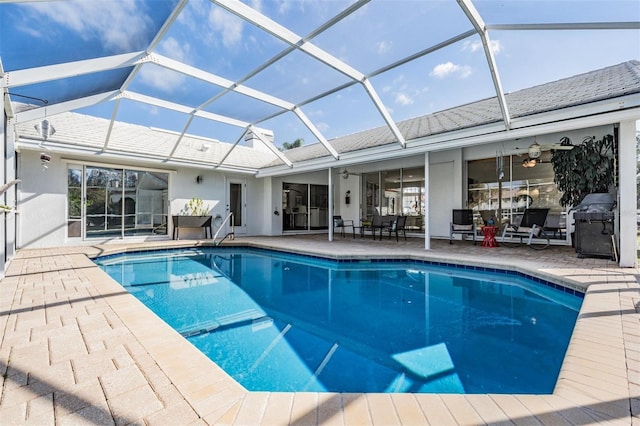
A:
{"points": [[489, 239]]}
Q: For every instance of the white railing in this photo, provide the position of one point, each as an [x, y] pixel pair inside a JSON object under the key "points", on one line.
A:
{"points": [[231, 234]]}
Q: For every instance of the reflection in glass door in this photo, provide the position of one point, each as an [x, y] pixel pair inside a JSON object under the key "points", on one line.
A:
{"points": [[236, 204], [305, 206], [103, 192], [74, 202], [117, 202]]}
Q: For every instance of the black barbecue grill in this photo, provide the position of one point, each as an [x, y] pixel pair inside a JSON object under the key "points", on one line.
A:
{"points": [[594, 220]]}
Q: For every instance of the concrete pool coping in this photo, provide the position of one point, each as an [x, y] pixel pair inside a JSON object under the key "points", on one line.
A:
{"points": [[76, 348]]}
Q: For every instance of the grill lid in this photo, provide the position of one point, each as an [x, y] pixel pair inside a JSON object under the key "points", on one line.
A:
{"points": [[597, 202]]}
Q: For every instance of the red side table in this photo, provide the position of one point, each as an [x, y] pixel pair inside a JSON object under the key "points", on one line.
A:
{"points": [[489, 239]]}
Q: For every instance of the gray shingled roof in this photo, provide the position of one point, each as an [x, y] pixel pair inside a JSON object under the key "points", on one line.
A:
{"points": [[82, 131], [606, 83]]}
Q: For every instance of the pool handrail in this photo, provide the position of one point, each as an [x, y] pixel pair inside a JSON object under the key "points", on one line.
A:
{"points": [[231, 234]]}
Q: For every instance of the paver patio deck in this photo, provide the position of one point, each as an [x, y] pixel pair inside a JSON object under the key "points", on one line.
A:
{"points": [[78, 349]]}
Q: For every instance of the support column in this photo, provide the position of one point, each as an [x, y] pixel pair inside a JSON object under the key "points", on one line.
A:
{"points": [[3, 199], [330, 214], [427, 201], [627, 194]]}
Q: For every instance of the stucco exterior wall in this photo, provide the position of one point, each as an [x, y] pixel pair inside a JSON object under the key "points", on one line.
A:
{"points": [[42, 198]]}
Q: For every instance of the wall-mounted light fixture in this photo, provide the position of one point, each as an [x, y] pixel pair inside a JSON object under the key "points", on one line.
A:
{"points": [[347, 198], [199, 179]]}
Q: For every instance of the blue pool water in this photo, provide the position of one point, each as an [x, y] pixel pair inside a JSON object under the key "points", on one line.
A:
{"points": [[280, 322]]}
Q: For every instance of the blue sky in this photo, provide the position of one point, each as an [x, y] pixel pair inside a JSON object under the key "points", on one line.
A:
{"points": [[384, 31]]}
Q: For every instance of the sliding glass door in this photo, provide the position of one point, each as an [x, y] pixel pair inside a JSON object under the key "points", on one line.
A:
{"points": [[305, 206], [114, 203], [395, 192], [504, 188]]}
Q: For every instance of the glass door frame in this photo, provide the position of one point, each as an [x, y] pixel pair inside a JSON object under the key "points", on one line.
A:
{"points": [[153, 230], [242, 227]]}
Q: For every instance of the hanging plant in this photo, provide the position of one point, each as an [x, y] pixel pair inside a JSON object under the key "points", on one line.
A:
{"points": [[585, 169]]}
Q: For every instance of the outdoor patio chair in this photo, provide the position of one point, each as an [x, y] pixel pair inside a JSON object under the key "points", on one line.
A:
{"points": [[374, 225], [462, 223], [341, 224], [531, 226], [556, 223], [396, 226]]}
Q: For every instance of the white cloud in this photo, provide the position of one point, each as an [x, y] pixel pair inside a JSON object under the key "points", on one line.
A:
{"points": [[322, 126], [383, 47], [449, 68], [403, 99], [161, 78], [118, 25], [228, 25], [172, 48], [496, 46], [476, 45], [256, 4]]}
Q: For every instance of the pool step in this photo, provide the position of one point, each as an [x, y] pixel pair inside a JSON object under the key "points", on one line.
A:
{"points": [[251, 317]]}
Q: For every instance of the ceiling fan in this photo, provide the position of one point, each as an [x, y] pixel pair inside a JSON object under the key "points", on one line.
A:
{"points": [[346, 173], [535, 149]]}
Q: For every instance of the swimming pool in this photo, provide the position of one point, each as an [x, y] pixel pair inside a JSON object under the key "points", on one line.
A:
{"points": [[281, 322]]}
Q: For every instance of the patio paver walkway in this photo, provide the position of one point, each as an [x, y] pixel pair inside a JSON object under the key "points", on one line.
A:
{"points": [[78, 349]]}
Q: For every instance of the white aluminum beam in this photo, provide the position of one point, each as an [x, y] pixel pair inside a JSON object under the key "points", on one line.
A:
{"points": [[180, 108], [222, 160], [42, 112], [175, 13], [114, 114], [180, 137], [221, 119], [270, 145], [478, 23], [301, 115], [247, 13], [138, 97], [385, 114], [251, 15], [218, 81], [634, 25], [69, 69]]}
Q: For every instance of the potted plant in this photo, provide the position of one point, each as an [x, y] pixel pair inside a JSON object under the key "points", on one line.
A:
{"points": [[585, 169], [194, 215]]}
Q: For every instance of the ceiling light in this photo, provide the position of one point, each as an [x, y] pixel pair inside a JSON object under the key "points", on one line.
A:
{"points": [[535, 150]]}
